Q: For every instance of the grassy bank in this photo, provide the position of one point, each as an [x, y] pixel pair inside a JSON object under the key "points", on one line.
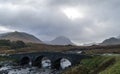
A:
{"points": [[93, 65], [114, 69]]}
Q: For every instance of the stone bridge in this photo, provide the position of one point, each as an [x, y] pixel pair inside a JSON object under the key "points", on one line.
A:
{"points": [[55, 58]]}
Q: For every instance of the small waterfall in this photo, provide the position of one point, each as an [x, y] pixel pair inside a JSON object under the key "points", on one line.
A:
{"points": [[46, 63], [65, 63], [30, 63]]}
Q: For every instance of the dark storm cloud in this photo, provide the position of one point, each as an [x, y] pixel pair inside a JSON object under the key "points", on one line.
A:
{"points": [[45, 19]]}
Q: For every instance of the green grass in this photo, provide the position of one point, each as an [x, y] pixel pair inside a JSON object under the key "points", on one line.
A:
{"points": [[77, 70], [97, 63], [92, 65], [114, 69]]}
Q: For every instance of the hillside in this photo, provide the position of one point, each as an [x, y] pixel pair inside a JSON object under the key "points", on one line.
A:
{"points": [[111, 41], [15, 36]]}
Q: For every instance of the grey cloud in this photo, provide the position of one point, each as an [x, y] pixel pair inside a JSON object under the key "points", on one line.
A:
{"points": [[44, 18]]}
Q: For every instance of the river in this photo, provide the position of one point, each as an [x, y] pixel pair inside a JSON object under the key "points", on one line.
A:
{"points": [[11, 68], [26, 70]]}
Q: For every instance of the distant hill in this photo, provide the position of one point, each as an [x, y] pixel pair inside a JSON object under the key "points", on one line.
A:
{"points": [[15, 36], [111, 41], [61, 40]]}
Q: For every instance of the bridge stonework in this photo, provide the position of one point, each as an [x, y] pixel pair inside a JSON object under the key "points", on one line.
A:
{"points": [[55, 57]]}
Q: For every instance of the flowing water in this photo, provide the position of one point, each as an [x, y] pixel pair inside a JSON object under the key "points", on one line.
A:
{"points": [[26, 70], [8, 68]]}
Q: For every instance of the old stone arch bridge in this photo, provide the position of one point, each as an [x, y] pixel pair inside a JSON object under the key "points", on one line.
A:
{"points": [[55, 58]]}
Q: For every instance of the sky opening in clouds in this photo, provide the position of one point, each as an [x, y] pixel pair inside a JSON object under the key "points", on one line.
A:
{"points": [[4, 29], [72, 13], [83, 21]]}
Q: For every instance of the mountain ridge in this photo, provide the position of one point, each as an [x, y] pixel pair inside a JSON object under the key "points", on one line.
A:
{"points": [[111, 41], [22, 36]]}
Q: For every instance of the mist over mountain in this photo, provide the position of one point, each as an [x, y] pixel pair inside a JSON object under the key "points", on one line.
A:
{"points": [[90, 44], [22, 36], [118, 37], [61, 40]]}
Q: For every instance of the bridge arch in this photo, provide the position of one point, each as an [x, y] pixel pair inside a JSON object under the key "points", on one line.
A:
{"points": [[42, 62], [25, 61], [62, 63]]}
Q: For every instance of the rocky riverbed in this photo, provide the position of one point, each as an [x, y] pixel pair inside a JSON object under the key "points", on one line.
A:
{"points": [[9, 68], [26, 70]]}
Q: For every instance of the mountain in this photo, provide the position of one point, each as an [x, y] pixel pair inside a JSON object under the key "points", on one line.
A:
{"points": [[25, 37], [61, 40], [111, 41]]}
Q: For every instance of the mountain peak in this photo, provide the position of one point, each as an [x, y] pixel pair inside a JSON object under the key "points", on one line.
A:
{"points": [[22, 36], [60, 40], [111, 41]]}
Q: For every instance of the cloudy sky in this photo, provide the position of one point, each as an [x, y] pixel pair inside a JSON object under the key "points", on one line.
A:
{"points": [[83, 21]]}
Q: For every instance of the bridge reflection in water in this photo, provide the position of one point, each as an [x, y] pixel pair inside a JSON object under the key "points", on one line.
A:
{"points": [[56, 60]]}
